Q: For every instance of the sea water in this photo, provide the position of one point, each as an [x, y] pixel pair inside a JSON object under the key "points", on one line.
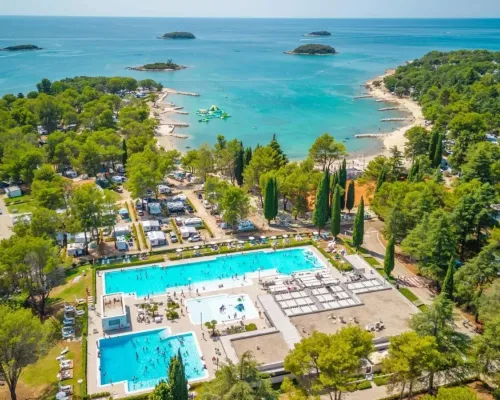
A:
{"points": [[154, 280], [239, 65]]}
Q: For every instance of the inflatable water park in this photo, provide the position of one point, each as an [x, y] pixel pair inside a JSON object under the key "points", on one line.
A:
{"points": [[213, 112]]}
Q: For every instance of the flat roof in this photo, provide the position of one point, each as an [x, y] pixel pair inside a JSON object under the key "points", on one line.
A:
{"points": [[156, 235], [113, 305], [388, 306], [268, 348]]}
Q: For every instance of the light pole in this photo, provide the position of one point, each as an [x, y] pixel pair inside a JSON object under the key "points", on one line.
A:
{"points": [[80, 381], [259, 273]]}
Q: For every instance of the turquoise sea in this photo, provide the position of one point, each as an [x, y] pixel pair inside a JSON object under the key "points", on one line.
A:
{"points": [[239, 65]]}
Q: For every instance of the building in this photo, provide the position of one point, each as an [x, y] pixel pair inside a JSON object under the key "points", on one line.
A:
{"points": [[187, 231], [76, 249], [121, 243], [123, 213], [114, 314], [157, 238], [150, 225], [154, 208], [121, 230], [80, 237], [196, 222], [13, 191]]}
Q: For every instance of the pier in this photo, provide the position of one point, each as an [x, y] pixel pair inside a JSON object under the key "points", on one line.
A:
{"points": [[363, 96], [394, 119], [370, 135], [172, 91], [390, 108]]}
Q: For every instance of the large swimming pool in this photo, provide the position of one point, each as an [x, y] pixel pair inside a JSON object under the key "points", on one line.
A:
{"points": [[142, 359], [153, 280]]}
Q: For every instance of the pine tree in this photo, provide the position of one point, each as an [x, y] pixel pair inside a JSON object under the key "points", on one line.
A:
{"points": [[177, 378], [161, 392], [239, 165], [433, 144], [124, 154], [335, 222], [380, 179], [320, 214], [389, 257], [359, 225], [448, 285], [248, 155], [349, 203], [269, 200], [438, 153], [343, 182], [282, 158], [438, 176]]}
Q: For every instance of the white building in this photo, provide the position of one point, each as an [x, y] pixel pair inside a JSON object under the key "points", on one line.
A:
{"points": [[196, 222], [114, 312], [187, 231], [76, 249], [121, 230], [80, 237], [151, 225], [13, 191], [157, 238], [121, 243]]}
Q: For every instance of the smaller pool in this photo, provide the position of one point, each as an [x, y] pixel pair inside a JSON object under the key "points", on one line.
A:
{"points": [[222, 308], [142, 359]]}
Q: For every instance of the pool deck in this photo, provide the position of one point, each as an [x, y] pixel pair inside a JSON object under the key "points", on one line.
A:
{"points": [[207, 345]]}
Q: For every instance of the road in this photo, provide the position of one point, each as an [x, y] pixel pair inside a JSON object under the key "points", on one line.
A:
{"points": [[5, 221]]}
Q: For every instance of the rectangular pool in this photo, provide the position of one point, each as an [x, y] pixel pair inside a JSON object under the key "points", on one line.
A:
{"points": [[141, 359], [153, 280], [222, 308]]}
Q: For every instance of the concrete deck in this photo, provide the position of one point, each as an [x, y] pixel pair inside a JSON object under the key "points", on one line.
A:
{"points": [[266, 349]]}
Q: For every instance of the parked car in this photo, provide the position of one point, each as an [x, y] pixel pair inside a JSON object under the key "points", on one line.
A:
{"points": [[173, 237], [118, 189], [246, 225], [140, 213], [118, 179], [189, 209], [200, 196], [206, 204], [194, 238]]}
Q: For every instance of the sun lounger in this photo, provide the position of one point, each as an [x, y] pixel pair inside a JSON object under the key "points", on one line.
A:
{"points": [[343, 303], [314, 307], [283, 304], [65, 364], [301, 302], [63, 375], [334, 304], [288, 312], [68, 389]]}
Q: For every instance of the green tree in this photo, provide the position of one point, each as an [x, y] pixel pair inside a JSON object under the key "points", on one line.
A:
{"points": [[483, 163], [177, 378], [335, 222], [23, 340], [417, 142], [486, 350], [349, 204], [389, 257], [270, 210], [437, 321], [124, 154], [161, 392], [343, 183], [282, 159], [396, 162], [410, 355], [358, 231], [325, 151], [239, 165], [235, 204], [456, 393], [320, 213], [44, 86], [380, 179], [438, 154], [242, 381], [248, 155], [447, 288], [433, 144]]}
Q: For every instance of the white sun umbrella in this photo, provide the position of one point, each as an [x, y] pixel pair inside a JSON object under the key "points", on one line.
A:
{"points": [[196, 247], [285, 236], [179, 250], [263, 237], [315, 233], [241, 242], [251, 238], [273, 237], [61, 396]]}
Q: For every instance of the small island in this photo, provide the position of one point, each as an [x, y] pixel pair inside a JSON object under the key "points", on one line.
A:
{"points": [[22, 47], [319, 33], [178, 35], [313, 50], [159, 67]]}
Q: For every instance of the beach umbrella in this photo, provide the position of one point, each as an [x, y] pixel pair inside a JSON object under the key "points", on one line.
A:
{"points": [[273, 237], [241, 242], [285, 236], [263, 237], [251, 238], [196, 247], [179, 250]]}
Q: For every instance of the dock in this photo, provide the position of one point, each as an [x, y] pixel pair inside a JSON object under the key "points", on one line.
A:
{"points": [[177, 124], [390, 108], [394, 119], [363, 96], [171, 91], [370, 135]]}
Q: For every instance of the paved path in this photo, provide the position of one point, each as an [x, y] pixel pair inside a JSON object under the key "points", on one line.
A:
{"points": [[5, 221]]}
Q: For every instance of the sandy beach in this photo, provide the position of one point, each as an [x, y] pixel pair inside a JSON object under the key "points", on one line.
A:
{"points": [[395, 138]]}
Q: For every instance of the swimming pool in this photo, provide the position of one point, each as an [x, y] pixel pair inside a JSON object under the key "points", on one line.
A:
{"points": [[222, 308], [152, 280], [142, 359]]}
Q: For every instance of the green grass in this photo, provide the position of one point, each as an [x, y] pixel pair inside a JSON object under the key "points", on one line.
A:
{"points": [[373, 262], [22, 208], [408, 294], [364, 385], [115, 196], [381, 380], [22, 199]]}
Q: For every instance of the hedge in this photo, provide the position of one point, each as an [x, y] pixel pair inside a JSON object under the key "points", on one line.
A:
{"points": [[137, 242], [143, 236], [85, 328], [381, 380], [97, 395], [205, 226], [408, 294], [364, 385], [149, 260], [335, 263], [131, 211], [176, 229], [134, 211]]}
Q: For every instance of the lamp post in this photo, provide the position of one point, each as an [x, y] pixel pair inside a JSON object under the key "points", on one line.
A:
{"points": [[80, 381], [259, 273]]}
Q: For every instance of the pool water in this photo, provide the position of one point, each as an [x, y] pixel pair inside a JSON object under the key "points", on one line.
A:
{"points": [[222, 308], [152, 280], [142, 358]]}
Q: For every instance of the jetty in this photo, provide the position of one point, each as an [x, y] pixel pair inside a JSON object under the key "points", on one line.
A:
{"points": [[390, 108], [172, 91], [394, 119], [177, 124], [363, 96], [370, 135]]}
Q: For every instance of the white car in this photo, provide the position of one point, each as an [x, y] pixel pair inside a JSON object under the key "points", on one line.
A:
{"points": [[118, 179], [164, 189], [194, 238]]}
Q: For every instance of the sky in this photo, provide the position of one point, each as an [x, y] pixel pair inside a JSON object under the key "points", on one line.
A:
{"points": [[257, 8]]}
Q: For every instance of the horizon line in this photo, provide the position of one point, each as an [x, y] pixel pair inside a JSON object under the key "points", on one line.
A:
{"points": [[241, 17]]}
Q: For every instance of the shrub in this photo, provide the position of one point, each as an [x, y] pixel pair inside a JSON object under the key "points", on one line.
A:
{"points": [[143, 236], [176, 230], [364, 385], [381, 380], [205, 226], [250, 327], [149, 260], [172, 314], [137, 243]]}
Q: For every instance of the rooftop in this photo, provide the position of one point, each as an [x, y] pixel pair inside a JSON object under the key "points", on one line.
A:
{"points": [[266, 349], [156, 235], [113, 305]]}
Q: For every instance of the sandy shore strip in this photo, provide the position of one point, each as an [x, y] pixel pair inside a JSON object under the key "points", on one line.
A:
{"points": [[395, 138]]}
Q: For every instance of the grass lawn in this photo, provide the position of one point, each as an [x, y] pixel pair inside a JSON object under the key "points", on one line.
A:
{"points": [[21, 208], [408, 294], [373, 262], [21, 199], [115, 196]]}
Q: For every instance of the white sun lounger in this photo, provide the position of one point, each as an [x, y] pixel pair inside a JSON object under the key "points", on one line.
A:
{"points": [[283, 304], [343, 303], [301, 302]]}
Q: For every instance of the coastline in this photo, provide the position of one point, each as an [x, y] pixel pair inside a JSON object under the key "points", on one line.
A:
{"points": [[396, 137], [166, 137]]}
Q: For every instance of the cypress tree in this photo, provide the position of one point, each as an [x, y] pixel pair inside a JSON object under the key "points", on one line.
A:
{"points": [[349, 204], [161, 392], [248, 155], [320, 214], [448, 284], [343, 182], [413, 174], [239, 165], [177, 378], [335, 222], [380, 179], [276, 198], [438, 176], [433, 144], [389, 257], [438, 153], [269, 200], [124, 154], [359, 225]]}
